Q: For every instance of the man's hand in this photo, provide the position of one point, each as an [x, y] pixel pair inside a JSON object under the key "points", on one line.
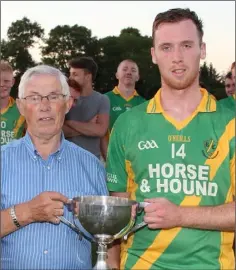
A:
{"points": [[162, 214], [47, 206]]}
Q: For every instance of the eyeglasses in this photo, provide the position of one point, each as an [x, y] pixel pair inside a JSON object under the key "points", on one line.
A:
{"points": [[229, 85], [36, 99]]}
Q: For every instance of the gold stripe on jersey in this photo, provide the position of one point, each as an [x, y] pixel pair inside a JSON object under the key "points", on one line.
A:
{"points": [[116, 91], [131, 188], [232, 173], [223, 151], [228, 237], [10, 104], [207, 104], [19, 124], [165, 237]]}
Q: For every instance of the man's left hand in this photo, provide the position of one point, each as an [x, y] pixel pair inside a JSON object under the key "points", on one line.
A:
{"points": [[162, 214]]}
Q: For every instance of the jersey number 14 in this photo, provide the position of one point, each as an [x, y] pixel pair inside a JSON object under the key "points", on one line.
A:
{"points": [[179, 152]]}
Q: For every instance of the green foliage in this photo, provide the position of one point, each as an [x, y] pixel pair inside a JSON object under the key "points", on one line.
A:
{"points": [[65, 42], [21, 36]]}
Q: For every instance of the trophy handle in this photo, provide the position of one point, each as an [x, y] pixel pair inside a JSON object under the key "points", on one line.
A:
{"points": [[125, 230], [140, 208], [74, 227]]}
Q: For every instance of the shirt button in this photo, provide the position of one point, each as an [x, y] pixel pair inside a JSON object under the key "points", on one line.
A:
{"points": [[35, 157], [45, 252], [48, 167]]}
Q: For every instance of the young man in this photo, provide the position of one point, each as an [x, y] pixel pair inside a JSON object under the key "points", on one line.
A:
{"points": [[229, 102], [229, 84], [124, 96], [88, 121], [39, 174], [12, 123], [176, 152]]}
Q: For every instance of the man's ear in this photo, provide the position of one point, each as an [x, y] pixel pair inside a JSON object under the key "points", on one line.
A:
{"points": [[13, 82], [20, 106], [69, 104]]}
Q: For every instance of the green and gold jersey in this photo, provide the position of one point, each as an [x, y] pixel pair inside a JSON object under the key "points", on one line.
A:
{"points": [[229, 102], [191, 163], [12, 123], [120, 104]]}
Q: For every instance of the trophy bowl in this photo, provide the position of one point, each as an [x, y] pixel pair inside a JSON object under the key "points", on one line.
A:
{"points": [[103, 219], [103, 215]]}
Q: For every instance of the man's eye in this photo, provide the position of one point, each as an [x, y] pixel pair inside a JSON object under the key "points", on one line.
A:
{"points": [[53, 97], [187, 46], [166, 48]]}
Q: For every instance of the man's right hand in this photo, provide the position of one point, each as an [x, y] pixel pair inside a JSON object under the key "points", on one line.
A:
{"points": [[47, 206]]}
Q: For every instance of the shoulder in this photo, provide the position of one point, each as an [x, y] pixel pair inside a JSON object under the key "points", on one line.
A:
{"points": [[12, 146], [133, 117], [100, 97], [226, 109], [109, 94], [81, 154]]}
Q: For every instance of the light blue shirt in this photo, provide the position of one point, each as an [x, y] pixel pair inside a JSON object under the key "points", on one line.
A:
{"points": [[71, 171]]}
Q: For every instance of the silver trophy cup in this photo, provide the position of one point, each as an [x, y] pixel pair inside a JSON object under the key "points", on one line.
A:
{"points": [[103, 220]]}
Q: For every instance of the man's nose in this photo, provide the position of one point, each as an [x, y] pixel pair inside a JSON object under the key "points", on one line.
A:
{"points": [[45, 104], [177, 55]]}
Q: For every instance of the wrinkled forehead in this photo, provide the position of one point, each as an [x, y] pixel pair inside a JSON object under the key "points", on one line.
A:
{"points": [[43, 84]]}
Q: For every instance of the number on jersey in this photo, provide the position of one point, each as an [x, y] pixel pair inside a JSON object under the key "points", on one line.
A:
{"points": [[179, 152]]}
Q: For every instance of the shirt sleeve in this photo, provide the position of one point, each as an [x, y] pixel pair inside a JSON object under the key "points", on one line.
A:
{"points": [[115, 165], [104, 105]]}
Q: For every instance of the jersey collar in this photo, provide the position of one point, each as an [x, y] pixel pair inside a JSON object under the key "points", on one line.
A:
{"points": [[207, 104], [116, 91], [11, 102]]}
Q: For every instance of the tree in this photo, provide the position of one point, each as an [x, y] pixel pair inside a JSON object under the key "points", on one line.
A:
{"points": [[21, 36], [212, 80], [130, 44], [66, 42]]}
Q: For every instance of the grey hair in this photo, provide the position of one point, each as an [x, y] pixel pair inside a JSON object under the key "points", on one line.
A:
{"points": [[43, 70]]}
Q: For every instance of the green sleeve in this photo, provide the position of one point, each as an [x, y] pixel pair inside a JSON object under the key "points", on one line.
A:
{"points": [[115, 165]]}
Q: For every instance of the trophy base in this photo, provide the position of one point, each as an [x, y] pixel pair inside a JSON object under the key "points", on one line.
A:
{"points": [[101, 265], [103, 241]]}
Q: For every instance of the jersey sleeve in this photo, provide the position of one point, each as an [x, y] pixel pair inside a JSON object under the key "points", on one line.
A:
{"points": [[232, 160], [115, 165]]}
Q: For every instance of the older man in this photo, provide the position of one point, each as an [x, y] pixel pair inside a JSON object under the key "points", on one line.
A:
{"points": [[40, 172], [12, 123]]}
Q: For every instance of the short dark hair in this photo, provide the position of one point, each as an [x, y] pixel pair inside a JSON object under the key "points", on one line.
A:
{"points": [[229, 75], [73, 84], [178, 15], [86, 63]]}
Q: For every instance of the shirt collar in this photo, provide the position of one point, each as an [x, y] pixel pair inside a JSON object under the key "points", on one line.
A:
{"points": [[11, 102], [33, 151], [116, 91], [207, 104]]}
